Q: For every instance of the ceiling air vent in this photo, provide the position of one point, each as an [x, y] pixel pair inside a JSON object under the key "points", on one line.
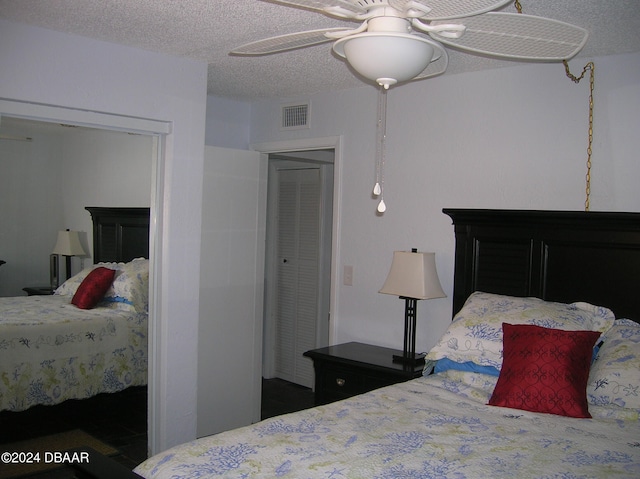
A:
{"points": [[295, 116]]}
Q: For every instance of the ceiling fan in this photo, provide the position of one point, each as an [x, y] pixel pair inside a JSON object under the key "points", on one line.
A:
{"points": [[402, 40]]}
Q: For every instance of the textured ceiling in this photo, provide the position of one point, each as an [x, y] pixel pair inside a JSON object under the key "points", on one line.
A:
{"points": [[208, 29]]}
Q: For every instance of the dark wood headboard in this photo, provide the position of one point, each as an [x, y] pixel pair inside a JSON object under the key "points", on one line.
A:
{"points": [[119, 234], [562, 256]]}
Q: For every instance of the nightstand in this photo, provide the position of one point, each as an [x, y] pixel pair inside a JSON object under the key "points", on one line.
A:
{"points": [[345, 370], [38, 290]]}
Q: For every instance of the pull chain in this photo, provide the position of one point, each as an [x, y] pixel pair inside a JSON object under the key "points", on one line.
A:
{"points": [[381, 134], [516, 4], [591, 67]]}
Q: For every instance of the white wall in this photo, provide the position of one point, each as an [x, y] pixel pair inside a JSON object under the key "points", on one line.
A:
{"points": [[30, 210], [232, 290], [227, 123], [509, 138], [47, 182], [70, 72]]}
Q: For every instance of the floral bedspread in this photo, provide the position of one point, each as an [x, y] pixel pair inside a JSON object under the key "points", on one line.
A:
{"points": [[51, 351], [432, 427]]}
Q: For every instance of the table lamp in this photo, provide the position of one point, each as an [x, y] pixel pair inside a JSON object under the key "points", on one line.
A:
{"points": [[412, 276]]}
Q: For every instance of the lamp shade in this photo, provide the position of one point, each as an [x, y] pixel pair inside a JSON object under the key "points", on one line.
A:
{"points": [[413, 275], [68, 244]]}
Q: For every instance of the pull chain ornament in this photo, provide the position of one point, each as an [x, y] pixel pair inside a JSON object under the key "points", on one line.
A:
{"points": [[381, 136]]}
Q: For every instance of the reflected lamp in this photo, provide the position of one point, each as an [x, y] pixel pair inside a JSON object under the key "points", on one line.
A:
{"points": [[67, 245]]}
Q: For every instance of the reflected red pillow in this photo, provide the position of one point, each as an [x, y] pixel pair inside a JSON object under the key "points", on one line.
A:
{"points": [[545, 370], [93, 288]]}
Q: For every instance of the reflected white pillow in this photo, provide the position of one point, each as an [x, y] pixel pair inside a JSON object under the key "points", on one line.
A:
{"points": [[70, 286], [130, 288]]}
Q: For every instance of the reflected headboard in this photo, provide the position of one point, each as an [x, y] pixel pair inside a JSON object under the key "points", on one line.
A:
{"points": [[562, 256], [119, 234]]}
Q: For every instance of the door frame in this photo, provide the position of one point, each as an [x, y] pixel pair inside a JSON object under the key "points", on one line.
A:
{"points": [[290, 146]]}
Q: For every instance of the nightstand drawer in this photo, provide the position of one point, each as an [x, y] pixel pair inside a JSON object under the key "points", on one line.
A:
{"points": [[340, 382], [345, 370]]}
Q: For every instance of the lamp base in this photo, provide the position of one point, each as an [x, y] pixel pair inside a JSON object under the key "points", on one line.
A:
{"points": [[416, 360]]}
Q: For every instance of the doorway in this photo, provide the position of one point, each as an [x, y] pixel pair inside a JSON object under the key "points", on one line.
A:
{"points": [[298, 262]]}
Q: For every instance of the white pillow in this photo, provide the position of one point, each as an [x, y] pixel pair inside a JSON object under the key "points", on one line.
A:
{"points": [[475, 333], [614, 379]]}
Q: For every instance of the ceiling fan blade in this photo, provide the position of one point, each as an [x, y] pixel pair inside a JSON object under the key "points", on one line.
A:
{"points": [[283, 43], [338, 8], [436, 67], [446, 9], [517, 36]]}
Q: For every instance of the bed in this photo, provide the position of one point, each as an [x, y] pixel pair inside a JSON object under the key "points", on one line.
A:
{"points": [[537, 376], [90, 336]]}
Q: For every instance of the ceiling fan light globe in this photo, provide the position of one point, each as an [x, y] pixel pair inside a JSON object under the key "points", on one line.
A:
{"points": [[386, 58]]}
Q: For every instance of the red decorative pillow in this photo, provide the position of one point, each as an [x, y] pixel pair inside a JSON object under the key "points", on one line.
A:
{"points": [[93, 287], [545, 370]]}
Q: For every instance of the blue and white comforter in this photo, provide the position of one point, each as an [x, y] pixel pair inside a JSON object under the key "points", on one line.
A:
{"points": [[51, 351], [431, 427]]}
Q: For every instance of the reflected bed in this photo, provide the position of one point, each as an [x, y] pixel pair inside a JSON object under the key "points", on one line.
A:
{"points": [[51, 350]]}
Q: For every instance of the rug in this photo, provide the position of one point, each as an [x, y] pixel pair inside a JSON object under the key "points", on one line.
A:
{"points": [[50, 450]]}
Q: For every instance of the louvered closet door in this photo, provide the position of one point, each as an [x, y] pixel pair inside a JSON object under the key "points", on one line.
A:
{"points": [[297, 273]]}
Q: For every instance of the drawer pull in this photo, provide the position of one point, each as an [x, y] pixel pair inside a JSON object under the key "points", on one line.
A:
{"points": [[340, 382]]}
